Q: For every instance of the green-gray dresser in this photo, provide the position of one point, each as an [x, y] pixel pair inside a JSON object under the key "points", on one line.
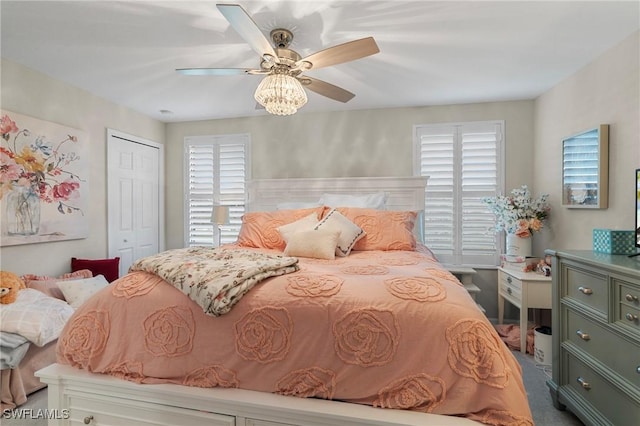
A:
{"points": [[596, 336]]}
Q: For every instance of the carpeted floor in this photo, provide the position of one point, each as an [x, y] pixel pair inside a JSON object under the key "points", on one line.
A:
{"points": [[534, 376]]}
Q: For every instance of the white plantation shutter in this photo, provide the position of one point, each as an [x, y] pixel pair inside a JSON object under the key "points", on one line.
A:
{"points": [[464, 162], [217, 168]]}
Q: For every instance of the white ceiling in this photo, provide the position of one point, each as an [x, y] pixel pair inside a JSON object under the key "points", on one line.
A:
{"points": [[431, 52]]}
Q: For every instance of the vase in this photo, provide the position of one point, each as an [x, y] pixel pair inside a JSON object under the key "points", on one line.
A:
{"points": [[23, 211], [518, 246]]}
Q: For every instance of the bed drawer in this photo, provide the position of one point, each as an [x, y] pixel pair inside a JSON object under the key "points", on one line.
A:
{"points": [[612, 402], [587, 288], [254, 422], [108, 411], [597, 341]]}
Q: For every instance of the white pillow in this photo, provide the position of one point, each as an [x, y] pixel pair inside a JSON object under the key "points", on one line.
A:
{"points": [[376, 200], [293, 205], [350, 233], [78, 291], [307, 223], [35, 316], [320, 244]]}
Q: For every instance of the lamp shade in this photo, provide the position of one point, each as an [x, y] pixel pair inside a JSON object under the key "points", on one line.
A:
{"points": [[220, 215], [280, 94]]}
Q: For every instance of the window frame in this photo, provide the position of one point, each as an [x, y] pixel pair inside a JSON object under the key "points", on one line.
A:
{"points": [[457, 257], [237, 209]]}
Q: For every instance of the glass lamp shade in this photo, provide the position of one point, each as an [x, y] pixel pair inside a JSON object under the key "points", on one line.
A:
{"points": [[220, 215], [280, 94]]}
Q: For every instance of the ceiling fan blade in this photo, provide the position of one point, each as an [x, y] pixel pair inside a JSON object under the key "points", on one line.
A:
{"points": [[247, 28], [219, 71], [325, 89], [342, 53]]}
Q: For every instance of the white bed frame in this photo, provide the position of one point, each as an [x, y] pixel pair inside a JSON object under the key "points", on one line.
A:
{"points": [[404, 193], [79, 397]]}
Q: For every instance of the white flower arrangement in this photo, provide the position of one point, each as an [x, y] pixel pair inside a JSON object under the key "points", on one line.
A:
{"points": [[518, 213]]}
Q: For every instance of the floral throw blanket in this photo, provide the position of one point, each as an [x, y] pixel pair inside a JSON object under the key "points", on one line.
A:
{"points": [[216, 279]]}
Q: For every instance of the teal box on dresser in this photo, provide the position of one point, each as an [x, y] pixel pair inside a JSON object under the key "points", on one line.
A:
{"points": [[596, 336], [613, 241]]}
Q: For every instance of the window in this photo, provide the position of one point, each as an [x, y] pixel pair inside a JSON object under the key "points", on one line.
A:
{"points": [[216, 171], [464, 162]]}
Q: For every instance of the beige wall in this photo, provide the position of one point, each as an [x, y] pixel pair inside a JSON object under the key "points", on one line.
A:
{"points": [[358, 143], [34, 94], [353, 143], [607, 91]]}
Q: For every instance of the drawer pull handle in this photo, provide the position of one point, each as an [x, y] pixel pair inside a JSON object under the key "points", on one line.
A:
{"points": [[585, 290], [631, 298], [583, 335], [585, 385], [509, 280], [509, 290], [88, 419], [638, 369], [631, 317]]}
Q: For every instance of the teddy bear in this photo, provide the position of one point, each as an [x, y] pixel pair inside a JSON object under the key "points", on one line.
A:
{"points": [[10, 284]]}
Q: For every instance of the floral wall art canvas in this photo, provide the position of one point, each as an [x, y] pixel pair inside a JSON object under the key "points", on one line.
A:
{"points": [[43, 181]]}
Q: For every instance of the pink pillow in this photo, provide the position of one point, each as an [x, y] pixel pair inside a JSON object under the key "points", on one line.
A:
{"points": [[109, 268], [385, 230], [260, 229], [48, 285]]}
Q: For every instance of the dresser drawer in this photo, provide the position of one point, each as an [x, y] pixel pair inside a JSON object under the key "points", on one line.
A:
{"points": [[628, 294], [598, 341], [587, 288], [510, 286], [629, 316], [610, 401], [106, 411]]}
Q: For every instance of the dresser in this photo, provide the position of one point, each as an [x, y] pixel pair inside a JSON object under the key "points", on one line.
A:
{"points": [[524, 290], [596, 336]]}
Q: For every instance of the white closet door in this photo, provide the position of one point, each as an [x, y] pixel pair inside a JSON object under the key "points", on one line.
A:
{"points": [[134, 198]]}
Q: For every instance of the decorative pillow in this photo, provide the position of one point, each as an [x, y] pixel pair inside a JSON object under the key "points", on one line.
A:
{"points": [[36, 316], [49, 285], [260, 229], [350, 233], [110, 268], [307, 223], [386, 230], [292, 205], [376, 200], [317, 244], [78, 291]]}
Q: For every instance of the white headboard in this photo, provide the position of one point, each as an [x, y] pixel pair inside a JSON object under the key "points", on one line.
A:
{"points": [[404, 193]]}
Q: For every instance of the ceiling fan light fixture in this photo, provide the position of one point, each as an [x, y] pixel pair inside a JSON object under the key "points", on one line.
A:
{"points": [[280, 94]]}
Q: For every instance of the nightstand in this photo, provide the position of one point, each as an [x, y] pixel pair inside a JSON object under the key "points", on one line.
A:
{"points": [[465, 275], [524, 290]]}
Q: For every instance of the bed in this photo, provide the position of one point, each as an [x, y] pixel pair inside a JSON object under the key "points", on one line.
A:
{"points": [[29, 328], [381, 334], [20, 382]]}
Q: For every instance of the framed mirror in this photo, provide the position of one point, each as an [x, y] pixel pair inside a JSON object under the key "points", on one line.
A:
{"points": [[585, 169]]}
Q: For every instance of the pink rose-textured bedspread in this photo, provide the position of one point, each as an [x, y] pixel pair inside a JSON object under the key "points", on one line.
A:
{"points": [[392, 329]]}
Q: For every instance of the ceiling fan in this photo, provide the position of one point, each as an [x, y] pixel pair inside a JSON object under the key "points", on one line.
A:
{"points": [[281, 90]]}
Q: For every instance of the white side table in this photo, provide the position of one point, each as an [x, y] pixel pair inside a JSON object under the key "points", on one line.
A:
{"points": [[465, 275], [524, 290]]}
